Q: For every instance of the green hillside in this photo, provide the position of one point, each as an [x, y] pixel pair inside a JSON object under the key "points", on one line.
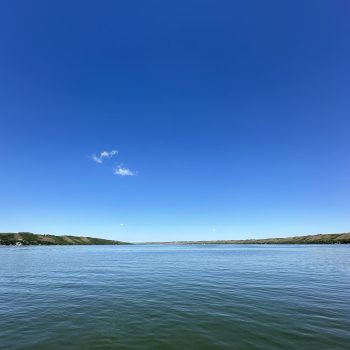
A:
{"points": [[27, 238], [334, 238]]}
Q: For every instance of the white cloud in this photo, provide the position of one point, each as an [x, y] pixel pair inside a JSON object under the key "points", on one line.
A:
{"points": [[118, 170], [124, 171], [99, 158]]}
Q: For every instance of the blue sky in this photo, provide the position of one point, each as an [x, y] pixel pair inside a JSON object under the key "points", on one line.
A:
{"points": [[229, 119]]}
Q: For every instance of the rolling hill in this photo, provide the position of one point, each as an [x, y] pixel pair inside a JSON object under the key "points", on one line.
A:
{"points": [[28, 238]]}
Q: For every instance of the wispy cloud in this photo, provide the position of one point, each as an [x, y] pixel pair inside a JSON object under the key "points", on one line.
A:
{"points": [[119, 169], [99, 158], [124, 171]]}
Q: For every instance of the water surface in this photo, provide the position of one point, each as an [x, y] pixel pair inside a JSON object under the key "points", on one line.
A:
{"points": [[175, 297]]}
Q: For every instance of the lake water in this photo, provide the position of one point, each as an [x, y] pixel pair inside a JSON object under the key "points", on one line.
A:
{"points": [[175, 297]]}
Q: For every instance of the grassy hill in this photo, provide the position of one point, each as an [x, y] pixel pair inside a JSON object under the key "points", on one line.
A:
{"points": [[334, 238], [27, 238]]}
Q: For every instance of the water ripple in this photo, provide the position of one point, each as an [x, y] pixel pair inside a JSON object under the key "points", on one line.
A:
{"points": [[175, 297]]}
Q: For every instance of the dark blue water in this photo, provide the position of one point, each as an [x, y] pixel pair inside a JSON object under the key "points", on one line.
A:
{"points": [[175, 297]]}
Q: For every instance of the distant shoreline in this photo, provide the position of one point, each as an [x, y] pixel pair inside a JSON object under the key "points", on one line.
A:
{"points": [[333, 238], [30, 239]]}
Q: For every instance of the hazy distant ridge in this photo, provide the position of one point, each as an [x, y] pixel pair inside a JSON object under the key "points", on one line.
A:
{"points": [[334, 238], [27, 238]]}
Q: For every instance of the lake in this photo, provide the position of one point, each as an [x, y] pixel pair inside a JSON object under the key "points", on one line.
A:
{"points": [[175, 297]]}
